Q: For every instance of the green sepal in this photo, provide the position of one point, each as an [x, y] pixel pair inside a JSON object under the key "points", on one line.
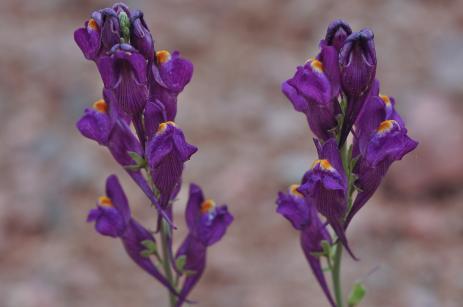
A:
{"points": [[180, 262], [356, 294], [317, 254], [145, 253], [326, 248], [189, 273], [140, 162], [150, 245]]}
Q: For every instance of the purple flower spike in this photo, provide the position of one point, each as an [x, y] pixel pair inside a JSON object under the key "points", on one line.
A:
{"points": [[303, 216], [207, 224], [325, 186], [124, 73], [113, 218], [358, 69], [140, 36], [168, 77], [311, 92], [166, 154]]}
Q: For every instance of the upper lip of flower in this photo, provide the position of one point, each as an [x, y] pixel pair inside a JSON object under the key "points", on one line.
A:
{"points": [[362, 39]]}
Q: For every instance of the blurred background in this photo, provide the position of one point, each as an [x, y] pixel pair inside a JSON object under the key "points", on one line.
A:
{"points": [[252, 144]]}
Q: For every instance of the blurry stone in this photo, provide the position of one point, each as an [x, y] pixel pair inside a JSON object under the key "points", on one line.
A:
{"points": [[436, 164]]}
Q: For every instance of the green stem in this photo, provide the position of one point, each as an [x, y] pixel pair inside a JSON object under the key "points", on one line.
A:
{"points": [[336, 274], [165, 233]]}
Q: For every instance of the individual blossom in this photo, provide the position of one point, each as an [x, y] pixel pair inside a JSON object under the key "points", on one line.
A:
{"points": [[304, 218], [97, 124], [311, 92], [140, 36], [381, 139], [337, 33], [166, 154], [112, 217], [207, 223], [124, 72], [357, 60], [168, 76], [325, 186]]}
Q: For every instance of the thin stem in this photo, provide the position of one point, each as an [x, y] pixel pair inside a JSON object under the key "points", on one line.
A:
{"points": [[336, 274], [165, 233]]}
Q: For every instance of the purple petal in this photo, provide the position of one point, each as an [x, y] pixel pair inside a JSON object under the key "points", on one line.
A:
{"points": [[95, 125], [311, 242], [115, 192], [195, 253], [294, 209], [121, 141], [154, 115], [192, 212]]}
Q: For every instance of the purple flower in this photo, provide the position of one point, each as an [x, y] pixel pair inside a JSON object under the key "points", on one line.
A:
{"points": [[304, 217], [207, 223], [358, 69], [311, 92], [380, 140], [325, 186], [166, 154], [168, 77], [337, 33], [113, 218], [98, 125], [140, 36], [124, 73], [88, 38]]}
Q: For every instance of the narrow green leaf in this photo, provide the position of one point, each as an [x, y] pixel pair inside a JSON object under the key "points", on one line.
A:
{"points": [[356, 294]]}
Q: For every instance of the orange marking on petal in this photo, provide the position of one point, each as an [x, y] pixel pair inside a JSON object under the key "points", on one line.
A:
{"points": [[385, 99], [100, 106], [163, 126], [316, 65], [386, 126], [105, 201], [207, 206], [324, 165], [293, 190], [92, 25], [163, 56]]}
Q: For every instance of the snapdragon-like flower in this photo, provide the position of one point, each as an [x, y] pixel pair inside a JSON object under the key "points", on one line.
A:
{"points": [[357, 60], [168, 76], [207, 224], [113, 218], [304, 217], [325, 186], [166, 154]]}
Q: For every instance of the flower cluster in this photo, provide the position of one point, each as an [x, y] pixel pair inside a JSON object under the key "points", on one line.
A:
{"points": [[338, 93], [141, 87]]}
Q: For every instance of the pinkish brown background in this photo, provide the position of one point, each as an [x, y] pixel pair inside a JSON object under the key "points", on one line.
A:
{"points": [[252, 144]]}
